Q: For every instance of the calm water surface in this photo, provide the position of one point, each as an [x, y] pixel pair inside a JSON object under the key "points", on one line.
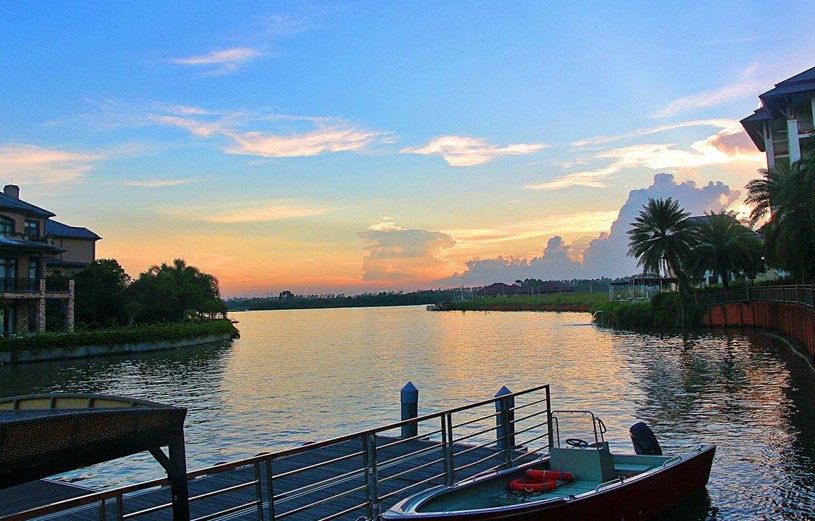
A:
{"points": [[305, 375]]}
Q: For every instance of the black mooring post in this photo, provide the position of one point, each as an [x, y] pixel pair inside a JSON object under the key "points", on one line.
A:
{"points": [[409, 398], [178, 479], [505, 420]]}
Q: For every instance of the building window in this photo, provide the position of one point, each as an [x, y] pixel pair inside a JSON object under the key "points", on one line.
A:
{"points": [[6, 226], [8, 272], [33, 271], [32, 229]]}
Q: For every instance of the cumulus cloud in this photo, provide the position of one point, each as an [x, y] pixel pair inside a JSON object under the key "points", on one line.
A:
{"points": [[403, 254], [605, 255], [44, 166], [220, 62], [471, 151], [273, 135]]}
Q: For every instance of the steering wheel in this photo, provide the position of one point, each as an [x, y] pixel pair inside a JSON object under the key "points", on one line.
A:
{"points": [[577, 443]]}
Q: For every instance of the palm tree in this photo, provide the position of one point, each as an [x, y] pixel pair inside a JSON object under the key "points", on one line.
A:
{"points": [[661, 238], [786, 194], [724, 247]]}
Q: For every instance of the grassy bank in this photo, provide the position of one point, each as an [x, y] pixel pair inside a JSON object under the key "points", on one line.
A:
{"points": [[119, 335], [579, 301]]}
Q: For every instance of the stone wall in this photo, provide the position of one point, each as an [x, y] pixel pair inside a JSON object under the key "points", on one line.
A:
{"points": [[104, 350]]}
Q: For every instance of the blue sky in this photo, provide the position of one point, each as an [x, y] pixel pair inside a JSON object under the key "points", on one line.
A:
{"points": [[358, 146]]}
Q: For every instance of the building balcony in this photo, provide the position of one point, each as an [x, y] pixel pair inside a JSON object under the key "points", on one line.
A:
{"points": [[34, 286]]}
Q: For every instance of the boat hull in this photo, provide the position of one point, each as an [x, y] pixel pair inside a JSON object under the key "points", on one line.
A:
{"points": [[637, 498]]}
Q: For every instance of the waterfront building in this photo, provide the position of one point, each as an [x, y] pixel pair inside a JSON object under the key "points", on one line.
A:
{"points": [[784, 126], [31, 245], [78, 247]]}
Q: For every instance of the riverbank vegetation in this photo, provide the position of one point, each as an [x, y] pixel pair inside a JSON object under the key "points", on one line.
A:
{"points": [[288, 300], [120, 335], [573, 301]]}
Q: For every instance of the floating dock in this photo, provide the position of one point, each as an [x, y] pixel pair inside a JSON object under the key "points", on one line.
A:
{"points": [[354, 477]]}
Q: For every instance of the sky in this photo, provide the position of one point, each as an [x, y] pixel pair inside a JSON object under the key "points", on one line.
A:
{"points": [[346, 147]]}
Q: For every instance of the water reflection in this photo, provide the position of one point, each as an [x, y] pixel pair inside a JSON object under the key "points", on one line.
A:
{"points": [[297, 376]]}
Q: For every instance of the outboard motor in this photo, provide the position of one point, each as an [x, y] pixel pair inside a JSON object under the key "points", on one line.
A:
{"points": [[644, 440]]}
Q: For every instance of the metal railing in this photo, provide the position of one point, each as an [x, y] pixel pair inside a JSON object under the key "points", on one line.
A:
{"points": [[353, 476], [801, 294], [22, 285], [33, 285]]}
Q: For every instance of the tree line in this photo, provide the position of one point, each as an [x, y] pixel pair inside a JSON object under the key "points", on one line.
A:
{"points": [[105, 295]]}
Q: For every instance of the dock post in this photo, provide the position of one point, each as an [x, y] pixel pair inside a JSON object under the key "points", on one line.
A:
{"points": [[504, 421], [409, 397]]}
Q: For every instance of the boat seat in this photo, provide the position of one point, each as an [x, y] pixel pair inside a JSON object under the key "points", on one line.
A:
{"points": [[631, 469]]}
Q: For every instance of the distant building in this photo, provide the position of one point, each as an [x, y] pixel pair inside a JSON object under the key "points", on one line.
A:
{"points": [[784, 126], [499, 288], [30, 244]]}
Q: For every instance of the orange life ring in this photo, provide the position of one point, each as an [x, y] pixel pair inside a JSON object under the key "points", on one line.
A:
{"points": [[549, 475], [526, 485]]}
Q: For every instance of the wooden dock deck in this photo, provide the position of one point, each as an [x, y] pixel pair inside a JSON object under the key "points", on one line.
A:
{"points": [[350, 462], [353, 477]]}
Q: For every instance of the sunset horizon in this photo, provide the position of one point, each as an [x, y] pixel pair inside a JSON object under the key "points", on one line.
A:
{"points": [[351, 148]]}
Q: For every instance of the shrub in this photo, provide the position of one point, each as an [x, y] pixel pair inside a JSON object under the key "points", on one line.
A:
{"points": [[119, 335]]}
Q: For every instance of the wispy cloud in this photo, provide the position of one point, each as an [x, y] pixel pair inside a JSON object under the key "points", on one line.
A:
{"points": [[46, 166], [471, 151], [220, 62], [747, 85], [324, 139], [260, 213], [590, 179], [719, 123], [159, 183], [199, 128], [580, 223], [326, 134], [729, 145]]}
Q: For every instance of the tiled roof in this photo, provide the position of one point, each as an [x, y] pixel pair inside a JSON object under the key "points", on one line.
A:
{"points": [[801, 82], [6, 242], [12, 203], [758, 115], [57, 229]]}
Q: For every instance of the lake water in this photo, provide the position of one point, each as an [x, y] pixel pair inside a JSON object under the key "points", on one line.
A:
{"points": [[304, 375]]}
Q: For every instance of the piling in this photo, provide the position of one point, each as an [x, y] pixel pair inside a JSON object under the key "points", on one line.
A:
{"points": [[409, 398], [504, 420]]}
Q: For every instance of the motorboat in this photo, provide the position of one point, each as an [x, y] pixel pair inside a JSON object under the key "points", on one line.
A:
{"points": [[579, 480]]}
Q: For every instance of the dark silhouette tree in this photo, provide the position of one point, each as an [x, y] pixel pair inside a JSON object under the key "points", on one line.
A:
{"points": [[661, 239], [725, 247]]}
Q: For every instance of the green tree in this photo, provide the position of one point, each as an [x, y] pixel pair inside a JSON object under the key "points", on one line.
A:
{"points": [[661, 238], [786, 195], [172, 292], [724, 247], [99, 293]]}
